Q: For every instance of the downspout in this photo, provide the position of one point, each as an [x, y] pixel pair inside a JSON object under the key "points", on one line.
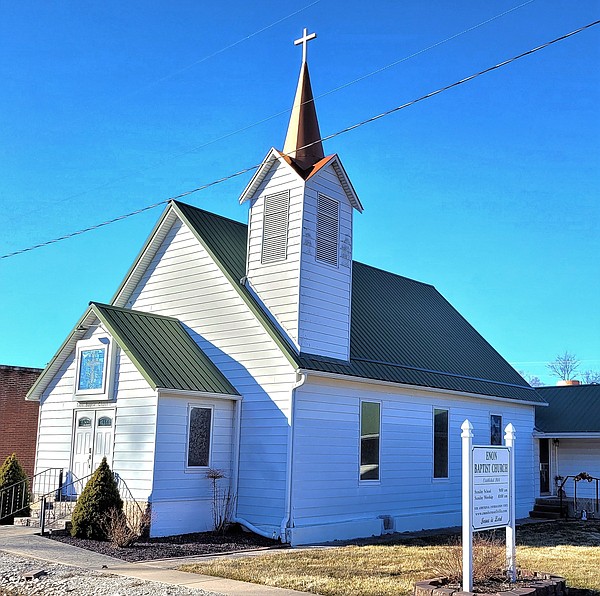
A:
{"points": [[236, 472], [301, 379], [235, 464]]}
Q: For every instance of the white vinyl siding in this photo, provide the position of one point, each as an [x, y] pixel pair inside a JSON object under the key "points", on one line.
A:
{"points": [[576, 456], [325, 290], [326, 490], [327, 230], [183, 281], [276, 283], [134, 423], [275, 227]]}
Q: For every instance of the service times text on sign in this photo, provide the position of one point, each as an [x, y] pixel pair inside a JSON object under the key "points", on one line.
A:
{"points": [[491, 487]]}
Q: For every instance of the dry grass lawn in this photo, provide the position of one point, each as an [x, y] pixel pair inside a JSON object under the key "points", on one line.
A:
{"points": [[382, 567]]}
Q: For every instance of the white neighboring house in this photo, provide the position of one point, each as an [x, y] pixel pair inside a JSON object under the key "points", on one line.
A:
{"points": [[568, 432], [330, 392]]}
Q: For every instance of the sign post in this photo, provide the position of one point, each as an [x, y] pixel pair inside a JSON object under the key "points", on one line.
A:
{"points": [[488, 489], [509, 441], [467, 505]]}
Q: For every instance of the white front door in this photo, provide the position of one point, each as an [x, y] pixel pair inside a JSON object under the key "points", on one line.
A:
{"points": [[93, 440]]}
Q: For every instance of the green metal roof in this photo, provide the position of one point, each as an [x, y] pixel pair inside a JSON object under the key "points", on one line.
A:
{"points": [[571, 409], [162, 350], [402, 330]]}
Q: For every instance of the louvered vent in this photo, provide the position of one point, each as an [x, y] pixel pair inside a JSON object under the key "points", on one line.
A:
{"points": [[275, 227], [327, 230]]}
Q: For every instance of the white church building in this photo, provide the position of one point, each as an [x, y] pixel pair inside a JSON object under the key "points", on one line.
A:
{"points": [[330, 392]]}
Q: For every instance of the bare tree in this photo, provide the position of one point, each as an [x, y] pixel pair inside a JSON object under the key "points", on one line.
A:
{"points": [[531, 379], [564, 367], [590, 376]]}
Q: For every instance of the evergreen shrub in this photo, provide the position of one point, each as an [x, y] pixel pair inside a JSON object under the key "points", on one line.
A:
{"points": [[99, 499], [11, 473]]}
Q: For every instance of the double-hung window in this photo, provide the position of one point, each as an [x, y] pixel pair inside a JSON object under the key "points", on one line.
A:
{"points": [[370, 433], [440, 443]]}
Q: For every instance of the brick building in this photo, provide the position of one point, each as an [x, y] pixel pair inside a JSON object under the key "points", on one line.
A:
{"points": [[18, 418]]}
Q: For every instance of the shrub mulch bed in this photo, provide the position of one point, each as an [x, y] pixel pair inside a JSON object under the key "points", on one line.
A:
{"points": [[186, 545]]}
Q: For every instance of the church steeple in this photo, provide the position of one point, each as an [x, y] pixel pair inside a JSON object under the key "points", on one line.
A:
{"points": [[303, 128]]}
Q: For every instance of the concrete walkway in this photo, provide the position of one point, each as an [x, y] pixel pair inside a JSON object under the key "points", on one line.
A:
{"points": [[24, 542]]}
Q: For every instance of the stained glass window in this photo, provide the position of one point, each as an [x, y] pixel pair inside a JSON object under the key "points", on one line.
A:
{"points": [[199, 437], [495, 430], [91, 369]]}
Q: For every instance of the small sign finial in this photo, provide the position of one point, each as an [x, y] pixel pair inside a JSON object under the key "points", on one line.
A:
{"points": [[304, 40]]}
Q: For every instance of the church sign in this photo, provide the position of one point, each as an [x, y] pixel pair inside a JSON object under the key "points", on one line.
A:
{"points": [[491, 487], [488, 496]]}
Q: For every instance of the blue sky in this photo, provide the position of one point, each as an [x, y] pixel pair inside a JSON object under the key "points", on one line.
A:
{"points": [[488, 191]]}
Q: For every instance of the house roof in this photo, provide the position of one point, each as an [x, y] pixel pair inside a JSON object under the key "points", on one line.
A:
{"points": [[571, 409], [274, 156], [163, 351], [402, 330], [160, 348]]}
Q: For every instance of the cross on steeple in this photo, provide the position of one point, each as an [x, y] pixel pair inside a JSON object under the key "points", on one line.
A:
{"points": [[304, 40]]}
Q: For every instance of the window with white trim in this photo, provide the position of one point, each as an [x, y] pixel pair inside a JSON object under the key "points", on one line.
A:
{"points": [[94, 360], [199, 437], [440, 443], [328, 233], [370, 433], [275, 227]]}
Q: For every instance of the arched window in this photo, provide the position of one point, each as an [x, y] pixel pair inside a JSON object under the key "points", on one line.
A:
{"points": [[84, 422], [104, 421]]}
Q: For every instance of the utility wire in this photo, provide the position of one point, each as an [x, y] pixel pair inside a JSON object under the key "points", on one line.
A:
{"points": [[282, 112], [326, 138]]}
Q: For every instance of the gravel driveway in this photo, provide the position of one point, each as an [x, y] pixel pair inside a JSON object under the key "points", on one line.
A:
{"points": [[62, 579]]}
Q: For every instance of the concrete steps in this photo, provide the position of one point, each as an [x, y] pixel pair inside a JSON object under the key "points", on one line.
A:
{"points": [[547, 508], [58, 515]]}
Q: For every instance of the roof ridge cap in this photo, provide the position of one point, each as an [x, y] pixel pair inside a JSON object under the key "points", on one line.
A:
{"points": [[228, 219], [423, 283], [101, 305]]}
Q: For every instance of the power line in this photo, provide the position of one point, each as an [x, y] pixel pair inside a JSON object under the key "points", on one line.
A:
{"points": [[282, 112], [326, 138]]}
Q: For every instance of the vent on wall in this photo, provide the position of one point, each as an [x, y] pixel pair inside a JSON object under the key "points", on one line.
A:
{"points": [[275, 227], [327, 230]]}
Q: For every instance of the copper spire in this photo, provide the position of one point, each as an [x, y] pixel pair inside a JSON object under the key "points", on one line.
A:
{"points": [[303, 128]]}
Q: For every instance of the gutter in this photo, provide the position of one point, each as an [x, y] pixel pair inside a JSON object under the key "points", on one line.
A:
{"points": [[285, 522]]}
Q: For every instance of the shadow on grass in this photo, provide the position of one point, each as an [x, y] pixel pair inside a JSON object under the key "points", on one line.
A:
{"points": [[552, 533]]}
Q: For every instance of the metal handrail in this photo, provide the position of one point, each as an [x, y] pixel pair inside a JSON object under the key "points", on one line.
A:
{"points": [[62, 500], [576, 479], [133, 512], [22, 493]]}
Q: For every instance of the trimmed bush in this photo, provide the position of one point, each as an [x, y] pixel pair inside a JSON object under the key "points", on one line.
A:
{"points": [[12, 473], [98, 499]]}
